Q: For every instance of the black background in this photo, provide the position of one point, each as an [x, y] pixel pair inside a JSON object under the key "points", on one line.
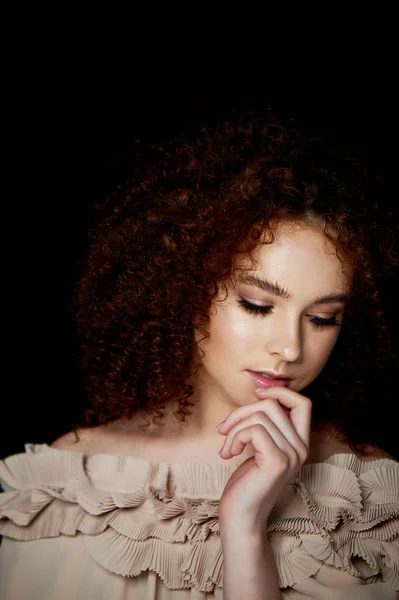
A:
{"points": [[71, 141]]}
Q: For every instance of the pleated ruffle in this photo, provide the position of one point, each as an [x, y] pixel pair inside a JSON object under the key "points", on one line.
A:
{"points": [[138, 516]]}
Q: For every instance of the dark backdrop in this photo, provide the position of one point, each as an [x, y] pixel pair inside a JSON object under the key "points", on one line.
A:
{"points": [[69, 146]]}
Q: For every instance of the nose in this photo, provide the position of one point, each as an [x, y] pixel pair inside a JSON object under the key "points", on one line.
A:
{"points": [[286, 342]]}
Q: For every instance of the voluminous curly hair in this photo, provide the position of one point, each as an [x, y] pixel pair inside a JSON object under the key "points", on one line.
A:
{"points": [[165, 245]]}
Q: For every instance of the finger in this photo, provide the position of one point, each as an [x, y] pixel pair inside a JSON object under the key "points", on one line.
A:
{"points": [[273, 409], [300, 409], [244, 411], [267, 451], [234, 443], [272, 418], [237, 415]]}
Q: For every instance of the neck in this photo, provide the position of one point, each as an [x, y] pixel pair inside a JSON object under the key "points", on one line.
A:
{"points": [[208, 407]]}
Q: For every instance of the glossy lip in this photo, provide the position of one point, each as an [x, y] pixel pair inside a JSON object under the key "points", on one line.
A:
{"points": [[266, 383], [272, 374]]}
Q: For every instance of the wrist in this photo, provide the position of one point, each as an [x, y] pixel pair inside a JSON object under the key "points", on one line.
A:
{"points": [[234, 535], [239, 528], [249, 570]]}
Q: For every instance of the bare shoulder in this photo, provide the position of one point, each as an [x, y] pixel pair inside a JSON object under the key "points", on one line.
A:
{"points": [[80, 441], [326, 443], [376, 453], [101, 439]]}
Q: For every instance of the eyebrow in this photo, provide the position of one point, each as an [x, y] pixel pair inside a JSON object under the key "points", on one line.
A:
{"points": [[282, 292]]}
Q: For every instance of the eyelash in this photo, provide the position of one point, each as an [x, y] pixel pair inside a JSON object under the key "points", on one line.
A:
{"points": [[266, 310]]}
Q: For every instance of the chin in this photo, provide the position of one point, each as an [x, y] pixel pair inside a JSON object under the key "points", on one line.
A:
{"points": [[303, 385], [297, 386]]}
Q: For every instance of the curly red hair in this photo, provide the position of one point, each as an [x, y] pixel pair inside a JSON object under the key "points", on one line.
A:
{"points": [[162, 250]]}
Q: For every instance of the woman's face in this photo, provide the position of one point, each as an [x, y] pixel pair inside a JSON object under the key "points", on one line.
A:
{"points": [[283, 317]]}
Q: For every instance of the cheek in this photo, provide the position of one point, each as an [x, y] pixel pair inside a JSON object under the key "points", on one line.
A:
{"points": [[234, 329], [230, 333], [321, 347]]}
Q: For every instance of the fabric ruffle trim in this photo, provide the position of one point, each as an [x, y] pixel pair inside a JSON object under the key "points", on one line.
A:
{"points": [[139, 516]]}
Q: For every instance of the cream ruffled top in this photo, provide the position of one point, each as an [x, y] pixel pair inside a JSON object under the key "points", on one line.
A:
{"points": [[110, 527]]}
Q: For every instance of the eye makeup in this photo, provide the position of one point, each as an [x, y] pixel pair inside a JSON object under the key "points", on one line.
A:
{"points": [[263, 310]]}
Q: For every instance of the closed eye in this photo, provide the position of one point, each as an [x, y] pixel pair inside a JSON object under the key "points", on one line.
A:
{"points": [[331, 322], [262, 310], [256, 309]]}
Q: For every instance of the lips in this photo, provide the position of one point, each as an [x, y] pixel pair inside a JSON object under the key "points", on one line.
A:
{"points": [[273, 375], [268, 379]]}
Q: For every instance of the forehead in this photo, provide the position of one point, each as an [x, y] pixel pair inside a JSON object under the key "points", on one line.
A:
{"points": [[302, 258]]}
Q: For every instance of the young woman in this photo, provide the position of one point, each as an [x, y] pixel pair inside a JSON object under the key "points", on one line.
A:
{"points": [[235, 344]]}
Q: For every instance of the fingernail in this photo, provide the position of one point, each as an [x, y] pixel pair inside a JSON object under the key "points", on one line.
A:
{"points": [[220, 424], [261, 391]]}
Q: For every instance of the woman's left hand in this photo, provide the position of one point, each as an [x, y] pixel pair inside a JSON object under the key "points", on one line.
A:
{"points": [[278, 427]]}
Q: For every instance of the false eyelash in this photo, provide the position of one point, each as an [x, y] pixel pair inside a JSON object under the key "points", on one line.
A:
{"points": [[319, 322], [254, 308], [266, 310]]}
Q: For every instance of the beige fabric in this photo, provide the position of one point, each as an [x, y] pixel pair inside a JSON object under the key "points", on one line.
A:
{"points": [[118, 527]]}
